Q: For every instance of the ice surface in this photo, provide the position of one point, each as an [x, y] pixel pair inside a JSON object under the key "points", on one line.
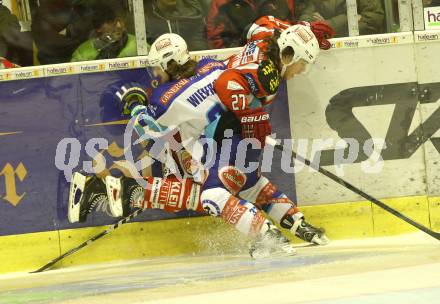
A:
{"points": [[404, 269]]}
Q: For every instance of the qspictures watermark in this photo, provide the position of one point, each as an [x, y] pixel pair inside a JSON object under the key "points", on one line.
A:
{"points": [[160, 143]]}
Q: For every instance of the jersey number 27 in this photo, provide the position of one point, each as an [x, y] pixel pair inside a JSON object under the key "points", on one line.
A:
{"points": [[238, 102]]}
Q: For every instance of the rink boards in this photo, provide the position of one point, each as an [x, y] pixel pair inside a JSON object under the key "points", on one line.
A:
{"points": [[203, 235], [33, 222]]}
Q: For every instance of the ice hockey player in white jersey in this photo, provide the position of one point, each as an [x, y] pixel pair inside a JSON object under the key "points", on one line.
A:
{"points": [[186, 101], [185, 95]]}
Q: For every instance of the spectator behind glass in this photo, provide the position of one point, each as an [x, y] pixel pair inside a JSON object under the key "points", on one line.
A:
{"points": [[228, 20], [334, 12], [109, 38], [8, 24], [280, 9], [58, 28], [14, 44], [182, 17]]}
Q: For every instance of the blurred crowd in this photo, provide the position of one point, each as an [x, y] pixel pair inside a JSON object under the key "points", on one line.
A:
{"points": [[78, 30]]}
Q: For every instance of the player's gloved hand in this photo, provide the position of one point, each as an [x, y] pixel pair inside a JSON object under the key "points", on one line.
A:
{"points": [[255, 123], [129, 96], [323, 31]]}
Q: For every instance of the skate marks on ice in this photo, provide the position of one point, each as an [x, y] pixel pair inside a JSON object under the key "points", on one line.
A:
{"points": [[158, 279], [407, 285], [60, 285]]}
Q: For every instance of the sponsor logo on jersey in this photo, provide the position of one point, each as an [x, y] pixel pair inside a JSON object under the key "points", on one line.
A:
{"points": [[268, 76], [166, 97], [155, 188], [194, 197], [152, 109], [234, 86], [163, 43], [201, 94], [233, 210], [257, 223], [269, 68], [252, 84], [154, 83], [170, 192], [250, 54], [209, 67], [188, 163], [266, 194], [211, 208], [232, 178]]}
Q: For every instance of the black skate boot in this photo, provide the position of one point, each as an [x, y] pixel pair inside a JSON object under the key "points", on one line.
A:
{"points": [[309, 233], [86, 194], [271, 244], [132, 195]]}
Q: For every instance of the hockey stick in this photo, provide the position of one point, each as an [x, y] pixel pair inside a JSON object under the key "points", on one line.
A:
{"points": [[91, 240], [356, 190]]}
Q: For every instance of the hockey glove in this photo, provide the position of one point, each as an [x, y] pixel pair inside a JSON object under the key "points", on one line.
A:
{"points": [[255, 124], [323, 31], [129, 96]]}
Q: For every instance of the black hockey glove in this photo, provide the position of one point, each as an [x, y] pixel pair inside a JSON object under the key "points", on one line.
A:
{"points": [[129, 96]]}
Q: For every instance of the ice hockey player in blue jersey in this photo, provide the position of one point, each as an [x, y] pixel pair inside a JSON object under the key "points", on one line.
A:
{"points": [[187, 102], [192, 106]]}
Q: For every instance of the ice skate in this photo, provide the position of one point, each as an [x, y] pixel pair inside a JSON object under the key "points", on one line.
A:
{"points": [[272, 244], [309, 233], [132, 195], [125, 194], [86, 193]]}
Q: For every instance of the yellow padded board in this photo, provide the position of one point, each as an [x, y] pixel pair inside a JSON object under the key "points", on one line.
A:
{"points": [[28, 251], [434, 212], [205, 235], [415, 207], [342, 220]]}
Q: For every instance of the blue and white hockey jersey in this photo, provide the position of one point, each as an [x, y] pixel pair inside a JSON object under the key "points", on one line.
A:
{"points": [[189, 105]]}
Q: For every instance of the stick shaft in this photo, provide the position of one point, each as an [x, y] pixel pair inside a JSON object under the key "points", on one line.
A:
{"points": [[358, 191], [89, 241]]}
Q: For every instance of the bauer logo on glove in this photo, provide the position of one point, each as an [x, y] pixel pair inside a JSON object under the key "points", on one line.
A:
{"points": [[255, 124], [256, 118]]}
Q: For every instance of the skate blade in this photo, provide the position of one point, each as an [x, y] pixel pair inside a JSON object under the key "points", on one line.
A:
{"points": [[320, 240], [273, 254], [76, 192], [113, 187]]}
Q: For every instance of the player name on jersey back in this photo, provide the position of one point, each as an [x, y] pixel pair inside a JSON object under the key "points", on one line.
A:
{"points": [[201, 94]]}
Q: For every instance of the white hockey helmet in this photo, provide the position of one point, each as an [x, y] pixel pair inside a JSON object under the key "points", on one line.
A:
{"points": [[166, 48], [303, 42]]}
